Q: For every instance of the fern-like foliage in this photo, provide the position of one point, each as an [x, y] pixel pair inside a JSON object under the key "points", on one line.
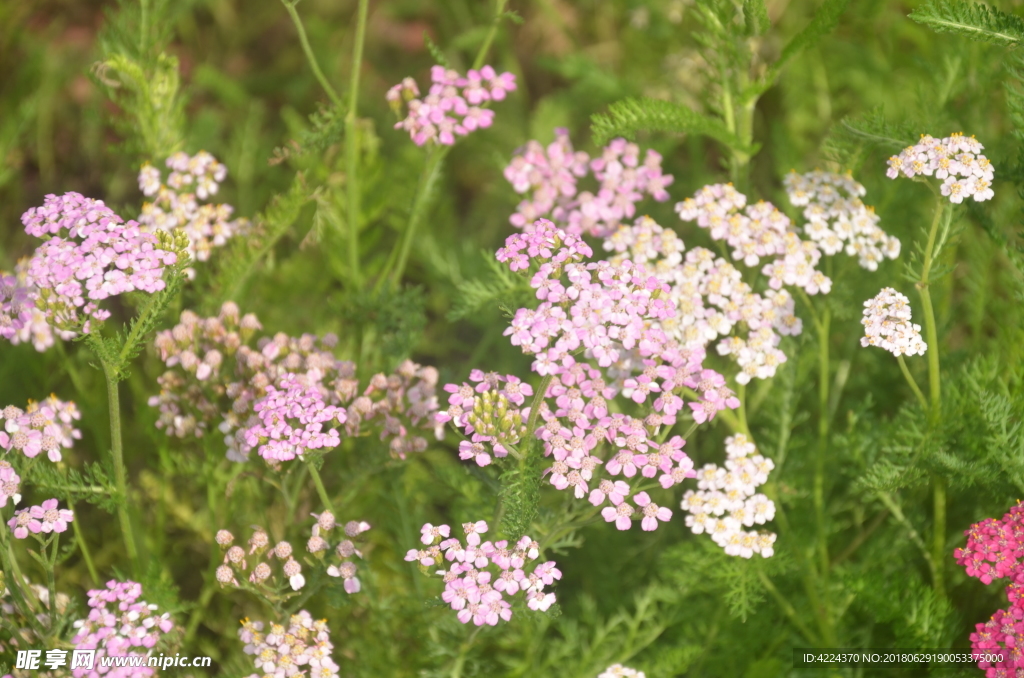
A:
{"points": [[853, 136], [972, 20], [244, 253], [627, 117], [497, 288], [755, 14]]}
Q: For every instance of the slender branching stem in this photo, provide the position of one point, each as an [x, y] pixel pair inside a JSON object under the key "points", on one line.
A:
{"points": [[499, 10], [117, 452], [352, 146], [82, 545], [913, 383], [428, 179], [822, 451], [310, 57], [320, 489]]}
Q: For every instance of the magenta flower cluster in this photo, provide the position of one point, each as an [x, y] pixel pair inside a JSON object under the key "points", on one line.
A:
{"points": [[756, 232], [550, 176], [21, 320], [216, 376], [454, 105], [90, 254], [45, 518], [478, 594], [301, 648], [291, 419], [176, 204], [45, 426], [994, 550], [119, 625]]}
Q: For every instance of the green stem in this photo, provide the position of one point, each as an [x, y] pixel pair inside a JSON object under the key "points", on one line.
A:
{"points": [[51, 581], [822, 452], [320, 489], [83, 546], [935, 394], [352, 146], [913, 383], [787, 609], [463, 651], [310, 57], [429, 177], [144, 27], [499, 10], [116, 450]]}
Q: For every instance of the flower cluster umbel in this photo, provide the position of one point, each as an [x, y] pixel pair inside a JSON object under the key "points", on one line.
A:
{"points": [[45, 518], [45, 426], [91, 254], [837, 218], [454, 105], [176, 204], [119, 624], [21, 319], [478, 594], [955, 159], [285, 651], [994, 550], [549, 178], [887, 325], [277, 395], [725, 501]]}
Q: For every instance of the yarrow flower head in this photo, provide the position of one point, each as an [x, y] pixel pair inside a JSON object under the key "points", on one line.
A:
{"points": [[956, 160], [43, 518], [837, 218], [46, 426], [725, 501], [549, 178], [887, 324], [454, 105], [21, 319], [481, 575], [91, 254], [176, 204], [995, 550], [216, 374], [303, 645], [120, 625]]}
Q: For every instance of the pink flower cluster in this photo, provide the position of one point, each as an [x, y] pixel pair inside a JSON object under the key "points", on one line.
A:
{"points": [[725, 501], [176, 204], [119, 625], [90, 254], [216, 374], [453, 105], [304, 645], [955, 159], [994, 550], [711, 299], [46, 426], [10, 484], [838, 219], [478, 594], [291, 419], [236, 560], [21, 320], [491, 413], [549, 178], [44, 518], [755, 232]]}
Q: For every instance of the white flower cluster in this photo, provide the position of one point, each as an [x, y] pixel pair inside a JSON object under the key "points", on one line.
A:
{"points": [[711, 299], [955, 159], [175, 205], [838, 219], [759, 230], [620, 671], [725, 501], [887, 324]]}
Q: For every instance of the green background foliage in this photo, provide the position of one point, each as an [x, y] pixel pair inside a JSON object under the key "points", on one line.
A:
{"points": [[91, 90]]}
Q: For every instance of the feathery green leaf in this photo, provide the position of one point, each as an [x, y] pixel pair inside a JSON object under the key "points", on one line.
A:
{"points": [[971, 20]]}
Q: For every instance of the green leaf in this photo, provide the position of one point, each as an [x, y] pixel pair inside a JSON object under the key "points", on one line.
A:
{"points": [[755, 13], [627, 117], [500, 287], [971, 20], [824, 22]]}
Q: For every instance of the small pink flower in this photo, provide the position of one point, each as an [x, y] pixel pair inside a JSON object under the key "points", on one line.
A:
{"points": [[652, 512]]}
